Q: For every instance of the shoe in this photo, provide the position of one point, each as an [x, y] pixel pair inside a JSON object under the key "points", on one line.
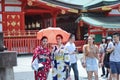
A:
{"points": [[102, 75]]}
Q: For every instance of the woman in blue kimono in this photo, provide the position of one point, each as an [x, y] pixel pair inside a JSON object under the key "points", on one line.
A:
{"points": [[60, 60]]}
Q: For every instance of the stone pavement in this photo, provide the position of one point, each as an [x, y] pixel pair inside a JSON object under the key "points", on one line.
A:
{"points": [[23, 69]]}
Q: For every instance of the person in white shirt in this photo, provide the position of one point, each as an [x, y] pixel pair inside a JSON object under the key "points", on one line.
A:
{"points": [[70, 46]]}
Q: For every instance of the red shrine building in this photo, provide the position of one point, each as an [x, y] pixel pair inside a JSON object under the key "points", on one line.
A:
{"points": [[20, 20]]}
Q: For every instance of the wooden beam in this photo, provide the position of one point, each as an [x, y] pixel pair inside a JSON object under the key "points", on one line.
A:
{"points": [[37, 11], [41, 5], [3, 5], [50, 5], [13, 5]]}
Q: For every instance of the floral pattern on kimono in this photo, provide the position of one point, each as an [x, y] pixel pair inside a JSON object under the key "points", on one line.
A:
{"points": [[60, 58], [42, 74]]}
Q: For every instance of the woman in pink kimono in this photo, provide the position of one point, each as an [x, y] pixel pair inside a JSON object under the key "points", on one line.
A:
{"points": [[42, 53]]}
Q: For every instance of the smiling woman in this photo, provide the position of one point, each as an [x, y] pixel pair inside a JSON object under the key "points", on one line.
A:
{"points": [[41, 56]]}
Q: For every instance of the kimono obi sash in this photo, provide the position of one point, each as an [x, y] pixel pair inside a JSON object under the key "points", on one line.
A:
{"points": [[59, 57]]}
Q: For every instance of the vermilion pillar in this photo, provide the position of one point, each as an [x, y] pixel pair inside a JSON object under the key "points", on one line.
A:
{"points": [[54, 16], [104, 33], [54, 20]]}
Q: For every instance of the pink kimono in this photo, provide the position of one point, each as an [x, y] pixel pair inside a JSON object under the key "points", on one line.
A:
{"points": [[42, 74]]}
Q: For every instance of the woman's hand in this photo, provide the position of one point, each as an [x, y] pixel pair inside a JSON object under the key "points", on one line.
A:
{"points": [[84, 65]]}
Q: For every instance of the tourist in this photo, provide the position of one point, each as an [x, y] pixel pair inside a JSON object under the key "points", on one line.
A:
{"points": [[42, 54], [90, 59], [101, 55], [60, 60], [115, 58], [70, 46]]}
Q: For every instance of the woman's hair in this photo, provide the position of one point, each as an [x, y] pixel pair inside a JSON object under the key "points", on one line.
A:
{"points": [[59, 35], [71, 35], [44, 37]]}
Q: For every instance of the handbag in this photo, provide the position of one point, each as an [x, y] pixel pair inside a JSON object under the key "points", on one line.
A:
{"points": [[36, 65]]}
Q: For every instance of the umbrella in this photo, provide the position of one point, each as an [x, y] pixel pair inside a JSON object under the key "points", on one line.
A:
{"points": [[51, 34]]}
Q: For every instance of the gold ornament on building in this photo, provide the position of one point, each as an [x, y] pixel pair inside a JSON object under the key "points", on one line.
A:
{"points": [[13, 16], [8, 16], [73, 10], [63, 11], [18, 16], [106, 8], [8, 24], [30, 3], [18, 23], [8, 32], [52, 5], [13, 32], [13, 23]]}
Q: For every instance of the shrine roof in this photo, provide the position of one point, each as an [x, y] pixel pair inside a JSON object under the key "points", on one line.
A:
{"points": [[101, 20], [83, 4]]}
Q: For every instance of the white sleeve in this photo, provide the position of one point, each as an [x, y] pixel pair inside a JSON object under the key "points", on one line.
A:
{"points": [[74, 46], [35, 65], [111, 45]]}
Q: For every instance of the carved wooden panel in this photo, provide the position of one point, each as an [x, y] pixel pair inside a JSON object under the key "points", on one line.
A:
{"points": [[13, 22]]}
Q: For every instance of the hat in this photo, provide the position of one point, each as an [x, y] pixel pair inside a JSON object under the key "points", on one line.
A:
{"points": [[109, 37]]}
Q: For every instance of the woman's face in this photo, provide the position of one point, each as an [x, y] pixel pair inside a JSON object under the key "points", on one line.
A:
{"points": [[59, 39], [90, 40], [103, 40], [45, 42]]}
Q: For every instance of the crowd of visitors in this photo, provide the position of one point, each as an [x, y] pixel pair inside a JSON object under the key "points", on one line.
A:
{"points": [[62, 58]]}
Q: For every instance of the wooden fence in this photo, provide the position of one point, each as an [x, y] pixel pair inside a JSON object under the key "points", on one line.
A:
{"points": [[27, 45]]}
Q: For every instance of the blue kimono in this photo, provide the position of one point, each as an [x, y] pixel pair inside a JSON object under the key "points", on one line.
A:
{"points": [[60, 61]]}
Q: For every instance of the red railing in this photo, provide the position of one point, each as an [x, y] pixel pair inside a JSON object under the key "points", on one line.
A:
{"points": [[79, 44], [25, 41], [15, 33], [21, 45], [27, 45]]}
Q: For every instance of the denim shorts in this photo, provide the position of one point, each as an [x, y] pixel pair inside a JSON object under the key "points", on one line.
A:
{"points": [[115, 67], [91, 64]]}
